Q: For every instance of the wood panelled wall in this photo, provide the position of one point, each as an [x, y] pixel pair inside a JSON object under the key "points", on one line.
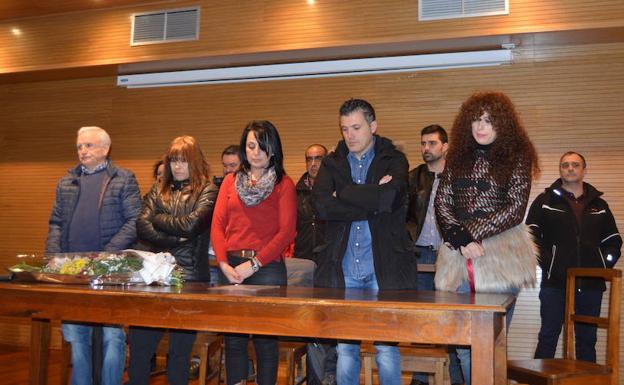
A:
{"points": [[102, 37], [570, 97]]}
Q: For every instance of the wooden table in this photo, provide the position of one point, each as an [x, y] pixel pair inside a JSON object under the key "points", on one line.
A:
{"points": [[400, 316]]}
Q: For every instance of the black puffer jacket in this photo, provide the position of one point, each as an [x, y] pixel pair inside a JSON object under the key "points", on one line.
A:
{"points": [[340, 201], [420, 184], [564, 244], [180, 226]]}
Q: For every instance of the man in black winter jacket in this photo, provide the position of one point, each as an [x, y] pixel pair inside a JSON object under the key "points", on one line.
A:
{"points": [[573, 227], [361, 190]]}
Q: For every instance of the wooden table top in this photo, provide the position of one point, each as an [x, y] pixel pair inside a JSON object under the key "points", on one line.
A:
{"points": [[275, 294]]}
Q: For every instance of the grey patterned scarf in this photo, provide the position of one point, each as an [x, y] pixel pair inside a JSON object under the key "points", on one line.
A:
{"points": [[252, 193]]}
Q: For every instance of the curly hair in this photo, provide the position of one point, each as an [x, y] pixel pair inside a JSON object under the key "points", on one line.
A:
{"points": [[512, 144]]}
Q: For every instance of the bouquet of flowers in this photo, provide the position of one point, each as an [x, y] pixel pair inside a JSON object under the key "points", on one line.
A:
{"points": [[127, 267]]}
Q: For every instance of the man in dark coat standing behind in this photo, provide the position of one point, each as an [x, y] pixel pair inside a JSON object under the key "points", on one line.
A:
{"points": [[361, 191], [573, 227]]}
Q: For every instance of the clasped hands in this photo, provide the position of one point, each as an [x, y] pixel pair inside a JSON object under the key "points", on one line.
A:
{"points": [[237, 274], [472, 250]]}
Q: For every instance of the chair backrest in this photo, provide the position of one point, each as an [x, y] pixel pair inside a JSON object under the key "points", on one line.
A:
{"points": [[611, 323]]}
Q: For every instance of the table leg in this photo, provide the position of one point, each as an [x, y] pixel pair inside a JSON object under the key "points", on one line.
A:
{"points": [[489, 349], [39, 349]]}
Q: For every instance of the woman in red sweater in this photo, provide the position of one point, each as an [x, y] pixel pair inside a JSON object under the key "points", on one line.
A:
{"points": [[253, 224]]}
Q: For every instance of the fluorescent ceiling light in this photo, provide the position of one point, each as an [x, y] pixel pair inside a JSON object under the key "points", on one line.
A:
{"points": [[317, 69]]}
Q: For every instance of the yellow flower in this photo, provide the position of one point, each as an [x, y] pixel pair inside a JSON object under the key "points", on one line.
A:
{"points": [[75, 266]]}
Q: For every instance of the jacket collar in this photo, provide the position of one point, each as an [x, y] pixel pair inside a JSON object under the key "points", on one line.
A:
{"points": [[301, 184], [590, 191], [383, 147], [76, 171]]}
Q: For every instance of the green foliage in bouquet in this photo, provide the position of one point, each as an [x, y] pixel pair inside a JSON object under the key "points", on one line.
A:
{"points": [[23, 266], [177, 277], [98, 265], [113, 265]]}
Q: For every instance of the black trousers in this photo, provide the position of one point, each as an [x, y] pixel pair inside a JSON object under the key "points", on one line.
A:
{"points": [[266, 347], [143, 345]]}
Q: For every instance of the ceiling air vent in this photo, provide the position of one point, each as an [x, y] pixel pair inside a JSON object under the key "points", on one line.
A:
{"points": [[165, 26], [452, 9]]}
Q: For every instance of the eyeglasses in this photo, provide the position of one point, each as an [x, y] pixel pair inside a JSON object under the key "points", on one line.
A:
{"points": [[310, 159]]}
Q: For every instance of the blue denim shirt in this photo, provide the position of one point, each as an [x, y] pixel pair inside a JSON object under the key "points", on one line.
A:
{"points": [[358, 258]]}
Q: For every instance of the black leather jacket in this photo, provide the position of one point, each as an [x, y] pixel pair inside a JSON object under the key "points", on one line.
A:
{"points": [[180, 226], [420, 184], [310, 229]]}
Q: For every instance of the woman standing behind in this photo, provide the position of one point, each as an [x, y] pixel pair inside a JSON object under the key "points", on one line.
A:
{"points": [[481, 201], [254, 222], [175, 218]]}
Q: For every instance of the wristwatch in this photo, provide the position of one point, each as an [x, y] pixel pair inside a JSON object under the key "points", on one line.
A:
{"points": [[255, 264]]}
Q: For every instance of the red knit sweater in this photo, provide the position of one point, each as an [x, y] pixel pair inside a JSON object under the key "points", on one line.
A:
{"points": [[269, 227]]}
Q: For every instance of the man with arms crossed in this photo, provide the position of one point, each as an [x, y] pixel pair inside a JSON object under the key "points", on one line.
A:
{"points": [[361, 191]]}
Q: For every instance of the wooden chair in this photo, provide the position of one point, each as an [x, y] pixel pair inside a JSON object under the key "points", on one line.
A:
{"points": [[567, 370], [208, 346], [293, 352], [415, 358]]}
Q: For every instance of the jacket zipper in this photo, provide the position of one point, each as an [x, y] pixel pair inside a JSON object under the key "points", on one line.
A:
{"points": [[604, 264], [552, 261]]}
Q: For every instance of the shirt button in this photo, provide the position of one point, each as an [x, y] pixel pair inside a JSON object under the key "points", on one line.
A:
{"points": [[357, 260], [357, 227], [359, 180], [357, 245]]}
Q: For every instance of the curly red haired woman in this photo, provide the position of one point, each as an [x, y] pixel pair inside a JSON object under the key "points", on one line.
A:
{"points": [[481, 201]]}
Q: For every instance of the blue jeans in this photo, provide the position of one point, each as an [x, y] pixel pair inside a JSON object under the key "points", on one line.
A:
{"points": [[114, 353], [464, 353], [387, 358], [424, 281], [552, 309]]}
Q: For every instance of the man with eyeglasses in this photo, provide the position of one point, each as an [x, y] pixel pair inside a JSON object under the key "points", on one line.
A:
{"points": [[573, 227], [310, 230], [321, 357], [95, 209]]}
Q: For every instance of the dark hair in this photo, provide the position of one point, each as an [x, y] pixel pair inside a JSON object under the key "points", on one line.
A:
{"points": [[352, 105], [185, 148], [317, 145], [158, 163], [574, 153], [232, 149], [435, 129], [512, 144], [269, 141]]}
